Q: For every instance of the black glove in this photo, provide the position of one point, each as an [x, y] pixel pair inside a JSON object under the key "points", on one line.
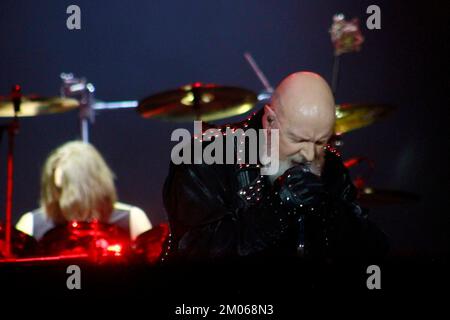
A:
{"points": [[337, 181], [299, 188]]}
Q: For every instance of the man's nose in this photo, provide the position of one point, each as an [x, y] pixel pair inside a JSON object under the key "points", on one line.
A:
{"points": [[308, 152]]}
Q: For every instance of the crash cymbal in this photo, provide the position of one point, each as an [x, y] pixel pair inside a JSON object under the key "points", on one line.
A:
{"points": [[34, 105], [351, 116], [198, 101], [373, 197]]}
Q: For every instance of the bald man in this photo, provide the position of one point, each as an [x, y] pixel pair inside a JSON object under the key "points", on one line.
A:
{"points": [[306, 208], [303, 111]]}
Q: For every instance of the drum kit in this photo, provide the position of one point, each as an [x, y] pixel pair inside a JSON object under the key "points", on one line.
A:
{"points": [[97, 242]]}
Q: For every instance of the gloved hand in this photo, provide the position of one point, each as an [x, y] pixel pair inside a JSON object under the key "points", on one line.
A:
{"points": [[299, 188], [337, 181]]}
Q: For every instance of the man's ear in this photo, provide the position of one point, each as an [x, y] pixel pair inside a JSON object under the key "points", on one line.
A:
{"points": [[269, 118]]}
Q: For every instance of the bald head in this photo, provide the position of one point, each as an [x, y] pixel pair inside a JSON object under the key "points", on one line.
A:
{"points": [[304, 97], [303, 110]]}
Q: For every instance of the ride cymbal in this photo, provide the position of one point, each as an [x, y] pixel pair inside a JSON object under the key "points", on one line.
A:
{"points": [[352, 116], [31, 106], [198, 101], [373, 197]]}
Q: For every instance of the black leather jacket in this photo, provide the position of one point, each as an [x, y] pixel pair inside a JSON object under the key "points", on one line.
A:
{"points": [[223, 210]]}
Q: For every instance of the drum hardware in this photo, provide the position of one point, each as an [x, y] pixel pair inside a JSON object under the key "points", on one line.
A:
{"points": [[13, 129]]}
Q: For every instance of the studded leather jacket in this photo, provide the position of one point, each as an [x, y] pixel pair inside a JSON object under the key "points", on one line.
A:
{"points": [[229, 210]]}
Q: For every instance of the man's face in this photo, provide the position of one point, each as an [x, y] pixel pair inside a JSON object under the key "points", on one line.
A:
{"points": [[303, 110], [303, 138]]}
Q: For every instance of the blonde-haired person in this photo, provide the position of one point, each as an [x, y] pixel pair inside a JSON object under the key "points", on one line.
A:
{"points": [[77, 184]]}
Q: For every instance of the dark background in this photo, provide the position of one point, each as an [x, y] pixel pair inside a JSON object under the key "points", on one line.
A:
{"points": [[132, 49]]}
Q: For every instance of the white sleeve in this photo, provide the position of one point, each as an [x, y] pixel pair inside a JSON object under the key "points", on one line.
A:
{"points": [[25, 223], [139, 222]]}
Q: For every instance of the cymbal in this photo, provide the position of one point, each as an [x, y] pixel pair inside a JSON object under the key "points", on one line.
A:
{"points": [[198, 101], [34, 105], [373, 197], [352, 116]]}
